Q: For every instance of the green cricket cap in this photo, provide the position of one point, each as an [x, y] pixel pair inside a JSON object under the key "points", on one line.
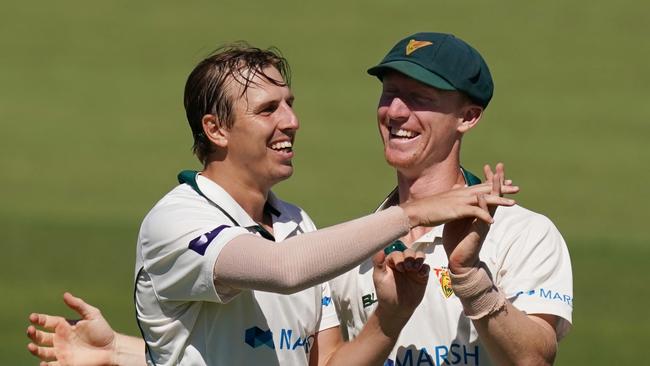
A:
{"points": [[442, 61]]}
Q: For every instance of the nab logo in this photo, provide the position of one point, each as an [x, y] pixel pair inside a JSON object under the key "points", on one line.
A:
{"points": [[256, 337], [368, 299], [326, 301]]}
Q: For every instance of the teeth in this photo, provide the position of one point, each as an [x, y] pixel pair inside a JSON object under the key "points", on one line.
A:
{"points": [[401, 132], [281, 145]]}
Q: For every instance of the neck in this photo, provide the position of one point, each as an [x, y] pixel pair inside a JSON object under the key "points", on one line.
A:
{"points": [[435, 179], [250, 195]]}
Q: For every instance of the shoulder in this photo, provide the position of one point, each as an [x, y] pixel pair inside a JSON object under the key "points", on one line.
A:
{"points": [[181, 210], [517, 220], [292, 213], [519, 230]]}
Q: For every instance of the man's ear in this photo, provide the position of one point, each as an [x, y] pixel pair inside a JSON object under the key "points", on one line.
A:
{"points": [[470, 115], [214, 130]]}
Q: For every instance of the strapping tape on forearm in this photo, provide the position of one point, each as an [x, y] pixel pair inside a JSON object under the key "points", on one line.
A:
{"points": [[251, 262], [478, 294]]}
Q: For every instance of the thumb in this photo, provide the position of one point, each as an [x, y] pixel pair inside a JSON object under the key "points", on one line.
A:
{"points": [[77, 304], [378, 259]]}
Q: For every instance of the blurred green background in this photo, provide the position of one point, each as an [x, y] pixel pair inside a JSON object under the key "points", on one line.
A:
{"points": [[93, 133]]}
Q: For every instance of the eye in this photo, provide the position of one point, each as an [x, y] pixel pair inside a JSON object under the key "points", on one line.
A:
{"points": [[268, 108], [389, 91], [421, 99], [387, 96]]}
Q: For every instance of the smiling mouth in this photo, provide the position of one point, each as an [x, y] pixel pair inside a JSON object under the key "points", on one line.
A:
{"points": [[400, 133], [283, 146]]}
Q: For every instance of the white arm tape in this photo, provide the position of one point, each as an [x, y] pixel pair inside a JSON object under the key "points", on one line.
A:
{"points": [[300, 262], [476, 291]]}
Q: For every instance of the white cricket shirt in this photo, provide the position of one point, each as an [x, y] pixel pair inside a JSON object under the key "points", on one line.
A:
{"points": [[528, 260], [185, 320]]}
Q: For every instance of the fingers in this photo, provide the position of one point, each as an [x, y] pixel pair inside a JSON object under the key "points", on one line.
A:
{"points": [[378, 259], [480, 214], [499, 175], [81, 307], [395, 260], [482, 202], [39, 337], [509, 189], [48, 322], [496, 184], [412, 261], [423, 273], [501, 171], [490, 201], [496, 200], [487, 171], [482, 226], [407, 261], [44, 353]]}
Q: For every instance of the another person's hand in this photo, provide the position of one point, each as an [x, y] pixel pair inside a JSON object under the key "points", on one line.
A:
{"points": [[400, 281], [459, 203], [463, 238], [89, 341]]}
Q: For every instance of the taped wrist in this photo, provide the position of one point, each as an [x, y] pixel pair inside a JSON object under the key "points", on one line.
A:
{"points": [[476, 291]]}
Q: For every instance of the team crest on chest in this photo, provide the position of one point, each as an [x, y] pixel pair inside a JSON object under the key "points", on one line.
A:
{"points": [[445, 281]]}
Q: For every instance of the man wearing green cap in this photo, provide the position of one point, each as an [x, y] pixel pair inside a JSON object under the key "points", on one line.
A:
{"points": [[499, 295]]}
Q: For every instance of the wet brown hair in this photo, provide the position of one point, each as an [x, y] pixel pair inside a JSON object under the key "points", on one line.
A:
{"points": [[207, 91]]}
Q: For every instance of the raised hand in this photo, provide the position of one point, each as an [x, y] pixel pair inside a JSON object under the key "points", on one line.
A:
{"points": [[458, 203], [89, 341], [464, 237], [400, 280]]}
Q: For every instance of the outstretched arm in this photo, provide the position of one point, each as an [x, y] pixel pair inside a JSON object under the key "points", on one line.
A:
{"points": [[89, 341], [312, 258], [510, 336]]}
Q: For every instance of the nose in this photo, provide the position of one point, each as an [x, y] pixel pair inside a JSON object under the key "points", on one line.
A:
{"points": [[398, 110], [289, 120]]}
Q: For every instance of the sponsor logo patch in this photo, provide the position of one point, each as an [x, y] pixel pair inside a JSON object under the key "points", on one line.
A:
{"points": [[436, 355], [288, 340], [326, 301], [200, 244], [445, 281], [547, 294], [368, 300], [413, 45], [256, 337]]}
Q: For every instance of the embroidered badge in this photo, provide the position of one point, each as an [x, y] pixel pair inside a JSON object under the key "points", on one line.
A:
{"points": [[445, 281], [414, 45]]}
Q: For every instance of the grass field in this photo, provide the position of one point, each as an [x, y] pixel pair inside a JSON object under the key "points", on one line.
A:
{"points": [[93, 133]]}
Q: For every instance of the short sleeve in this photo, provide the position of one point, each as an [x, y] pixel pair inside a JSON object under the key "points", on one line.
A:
{"points": [[536, 272], [329, 319], [179, 252]]}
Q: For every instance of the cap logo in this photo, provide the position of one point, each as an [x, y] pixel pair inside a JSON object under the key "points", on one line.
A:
{"points": [[414, 45]]}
